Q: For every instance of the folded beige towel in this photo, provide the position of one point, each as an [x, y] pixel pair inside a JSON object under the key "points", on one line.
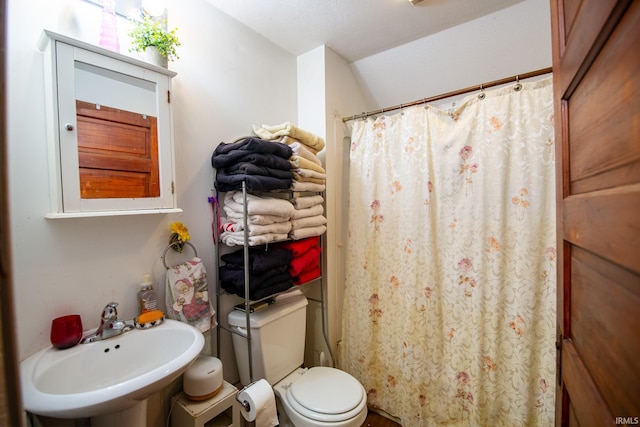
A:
{"points": [[301, 178], [301, 162], [307, 186], [299, 149], [310, 221], [303, 202], [312, 211], [303, 233], [287, 129], [308, 173]]}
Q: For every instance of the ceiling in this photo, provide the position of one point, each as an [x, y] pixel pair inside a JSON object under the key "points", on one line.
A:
{"points": [[355, 29]]}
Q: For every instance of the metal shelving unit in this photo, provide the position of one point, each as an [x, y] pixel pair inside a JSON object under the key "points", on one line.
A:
{"points": [[247, 300]]}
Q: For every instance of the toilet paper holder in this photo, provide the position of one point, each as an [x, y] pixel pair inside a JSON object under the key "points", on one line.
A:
{"points": [[246, 405]]}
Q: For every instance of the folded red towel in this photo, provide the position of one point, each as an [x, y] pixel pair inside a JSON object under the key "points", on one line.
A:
{"points": [[300, 247], [307, 276], [306, 261]]}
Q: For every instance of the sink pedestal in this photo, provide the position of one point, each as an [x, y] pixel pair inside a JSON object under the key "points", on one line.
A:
{"points": [[135, 416]]}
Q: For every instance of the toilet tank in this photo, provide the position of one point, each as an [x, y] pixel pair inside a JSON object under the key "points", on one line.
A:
{"points": [[277, 338]]}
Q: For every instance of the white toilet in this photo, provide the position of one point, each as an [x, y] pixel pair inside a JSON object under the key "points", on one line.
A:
{"points": [[318, 396]]}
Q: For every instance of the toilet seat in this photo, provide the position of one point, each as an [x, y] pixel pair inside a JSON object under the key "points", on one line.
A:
{"points": [[327, 395]]}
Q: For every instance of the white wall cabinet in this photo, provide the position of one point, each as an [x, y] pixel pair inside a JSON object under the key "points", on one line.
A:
{"points": [[99, 164]]}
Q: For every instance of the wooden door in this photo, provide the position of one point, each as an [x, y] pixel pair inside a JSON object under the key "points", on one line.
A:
{"points": [[117, 153], [11, 413], [596, 65]]}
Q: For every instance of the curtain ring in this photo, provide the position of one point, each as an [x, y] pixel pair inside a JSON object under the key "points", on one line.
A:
{"points": [[452, 110], [401, 110], [481, 95], [518, 86]]}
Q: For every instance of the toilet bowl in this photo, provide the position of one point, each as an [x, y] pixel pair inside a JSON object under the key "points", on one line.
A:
{"points": [[322, 396]]}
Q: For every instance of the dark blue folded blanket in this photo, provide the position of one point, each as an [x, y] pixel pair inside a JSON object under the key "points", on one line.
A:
{"points": [[252, 169], [260, 159], [265, 291], [227, 154], [260, 259], [235, 276], [264, 288], [225, 182]]}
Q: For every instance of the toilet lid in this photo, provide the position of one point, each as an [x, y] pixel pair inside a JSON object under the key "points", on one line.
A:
{"points": [[327, 394]]}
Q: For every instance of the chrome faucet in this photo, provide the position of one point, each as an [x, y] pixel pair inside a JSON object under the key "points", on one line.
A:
{"points": [[109, 327]]}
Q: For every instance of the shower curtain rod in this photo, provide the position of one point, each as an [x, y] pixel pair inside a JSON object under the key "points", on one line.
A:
{"points": [[454, 93]]}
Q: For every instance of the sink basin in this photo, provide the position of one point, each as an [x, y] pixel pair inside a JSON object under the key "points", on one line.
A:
{"points": [[107, 376]]}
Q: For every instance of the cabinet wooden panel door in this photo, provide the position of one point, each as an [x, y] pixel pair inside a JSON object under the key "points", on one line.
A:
{"points": [[596, 61], [117, 153]]}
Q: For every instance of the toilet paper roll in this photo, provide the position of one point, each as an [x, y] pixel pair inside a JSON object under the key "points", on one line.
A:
{"points": [[261, 404]]}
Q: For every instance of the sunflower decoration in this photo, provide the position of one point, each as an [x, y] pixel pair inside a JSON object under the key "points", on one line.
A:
{"points": [[179, 236]]}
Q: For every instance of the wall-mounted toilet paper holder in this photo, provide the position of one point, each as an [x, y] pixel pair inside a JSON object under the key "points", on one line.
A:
{"points": [[246, 405], [258, 403]]}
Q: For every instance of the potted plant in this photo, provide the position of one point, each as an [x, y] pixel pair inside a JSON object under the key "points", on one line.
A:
{"points": [[152, 37]]}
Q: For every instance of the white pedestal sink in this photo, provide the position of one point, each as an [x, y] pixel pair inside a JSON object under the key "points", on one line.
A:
{"points": [[108, 378]]}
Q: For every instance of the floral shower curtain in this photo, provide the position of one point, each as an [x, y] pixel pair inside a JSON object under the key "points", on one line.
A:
{"points": [[449, 309]]}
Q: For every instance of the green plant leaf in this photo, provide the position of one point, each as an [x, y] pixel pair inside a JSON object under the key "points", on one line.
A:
{"points": [[150, 32]]}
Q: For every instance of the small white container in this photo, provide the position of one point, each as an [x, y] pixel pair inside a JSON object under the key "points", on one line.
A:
{"points": [[203, 379]]}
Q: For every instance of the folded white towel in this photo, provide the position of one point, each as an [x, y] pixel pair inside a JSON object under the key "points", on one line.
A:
{"points": [[264, 205], [288, 129], [256, 229], [237, 238], [257, 205], [309, 221], [303, 233], [303, 202], [306, 212], [253, 219]]}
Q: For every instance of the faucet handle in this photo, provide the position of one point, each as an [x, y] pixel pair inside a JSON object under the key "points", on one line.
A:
{"points": [[109, 312]]}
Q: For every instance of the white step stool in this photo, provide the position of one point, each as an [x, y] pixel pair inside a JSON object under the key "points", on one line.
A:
{"points": [[213, 412]]}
